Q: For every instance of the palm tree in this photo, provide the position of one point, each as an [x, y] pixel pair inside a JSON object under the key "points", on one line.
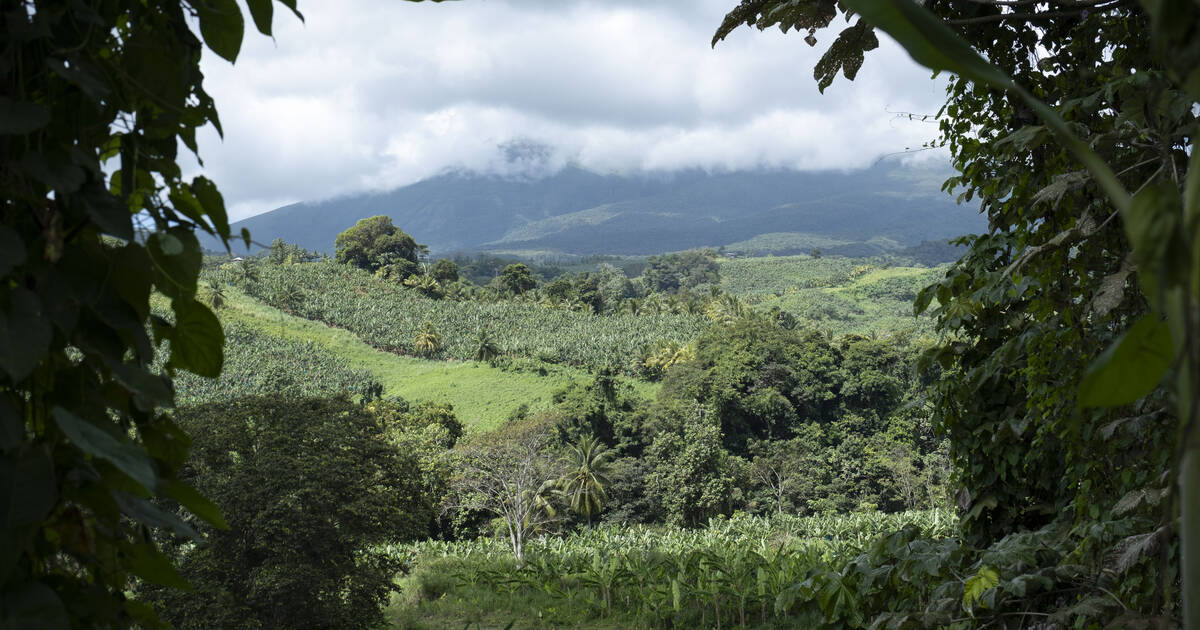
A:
{"points": [[216, 294], [427, 341], [485, 346], [247, 271], [289, 298], [585, 484]]}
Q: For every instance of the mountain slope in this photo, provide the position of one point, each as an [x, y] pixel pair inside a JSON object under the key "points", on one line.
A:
{"points": [[580, 212]]}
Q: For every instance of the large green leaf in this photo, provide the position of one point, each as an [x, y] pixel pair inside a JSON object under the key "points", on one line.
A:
{"points": [[978, 584], [222, 26], [19, 118], [175, 259], [195, 503], [12, 250], [198, 341], [262, 11], [93, 440], [33, 606], [147, 513], [1131, 367], [107, 211], [27, 488], [148, 563], [25, 334], [213, 203], [27, 495]]}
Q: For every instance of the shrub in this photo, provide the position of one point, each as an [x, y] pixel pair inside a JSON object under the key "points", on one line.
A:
{"points": [[310, 489]]}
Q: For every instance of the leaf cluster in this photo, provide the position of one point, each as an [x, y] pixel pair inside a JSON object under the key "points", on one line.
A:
{"points": [[96, 100]]}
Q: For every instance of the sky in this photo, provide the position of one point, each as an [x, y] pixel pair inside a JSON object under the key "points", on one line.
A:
{"points": [[371, 95]]}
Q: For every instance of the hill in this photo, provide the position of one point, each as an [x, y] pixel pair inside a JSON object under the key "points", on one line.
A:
{"points": [[575, 211], [269, 351]]}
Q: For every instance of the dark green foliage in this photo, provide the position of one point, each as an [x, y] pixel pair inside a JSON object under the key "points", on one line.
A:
{"points": [[427, 432], [690, 269], [397, 415], [693, 477], [483, 268], [84, 438], [628, 501], [309, 488], [761, 380], [374, 243], [605, 408], [826, 426], [517, 278], [282, 252], [444, 270], [1050, 123]]}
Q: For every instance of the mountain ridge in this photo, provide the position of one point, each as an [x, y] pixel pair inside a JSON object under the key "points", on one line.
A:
{"points": [[575, 211]]}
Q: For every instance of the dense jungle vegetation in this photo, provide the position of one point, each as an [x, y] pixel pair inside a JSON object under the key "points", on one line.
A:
{"points": [[1030, 463]]}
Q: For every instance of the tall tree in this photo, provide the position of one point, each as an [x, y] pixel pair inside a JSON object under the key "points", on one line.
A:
{"points": [[517, 278], [302, 549], [374, 242], [693, 475], [511, 479], [585, 483]]}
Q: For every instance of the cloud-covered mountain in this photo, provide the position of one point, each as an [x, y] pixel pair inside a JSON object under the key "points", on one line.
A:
{"points": [[576, 211]]}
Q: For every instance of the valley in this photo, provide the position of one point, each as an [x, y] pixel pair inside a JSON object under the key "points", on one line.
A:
{"points": [[519, 375]]}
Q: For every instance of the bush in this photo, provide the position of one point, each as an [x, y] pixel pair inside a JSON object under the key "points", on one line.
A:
{"points": [[431, 580], [310, 489]]}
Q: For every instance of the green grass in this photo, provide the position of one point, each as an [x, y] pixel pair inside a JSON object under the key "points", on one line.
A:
{"points": [[483, 396]]}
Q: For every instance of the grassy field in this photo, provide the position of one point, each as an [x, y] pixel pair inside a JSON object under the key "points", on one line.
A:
{"points": [[842, 295], [483, 396]]}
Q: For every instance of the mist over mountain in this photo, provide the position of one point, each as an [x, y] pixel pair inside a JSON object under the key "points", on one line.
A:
{"points": [[575, 211]]}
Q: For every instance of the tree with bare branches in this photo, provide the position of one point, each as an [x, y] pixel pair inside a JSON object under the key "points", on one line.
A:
{"points": [[514, 480]]}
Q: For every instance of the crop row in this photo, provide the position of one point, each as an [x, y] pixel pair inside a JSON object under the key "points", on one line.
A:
{"points": [[390, 318], [737, 571], [258, 364]]}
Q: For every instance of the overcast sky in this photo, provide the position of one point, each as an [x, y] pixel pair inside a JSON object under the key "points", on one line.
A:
{"points": [[376, 94]]}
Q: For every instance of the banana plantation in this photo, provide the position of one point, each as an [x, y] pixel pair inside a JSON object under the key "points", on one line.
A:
{"points": [[390, 317], [738, 572]]}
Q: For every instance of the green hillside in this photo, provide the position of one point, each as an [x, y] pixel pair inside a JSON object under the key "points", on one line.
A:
{"points": [[387, 316], [842, 295], [483, 396]]}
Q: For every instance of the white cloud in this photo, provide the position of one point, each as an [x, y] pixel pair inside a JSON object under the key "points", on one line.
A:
{"points": [[375, 94]]}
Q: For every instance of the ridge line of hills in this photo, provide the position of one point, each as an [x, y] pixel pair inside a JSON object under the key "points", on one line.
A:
{"points": [[576, 212]]}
